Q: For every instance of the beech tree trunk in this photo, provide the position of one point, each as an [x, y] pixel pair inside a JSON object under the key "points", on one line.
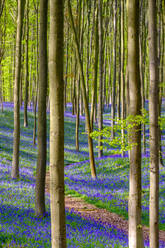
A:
{"points": [[37, 76], [88, 125], [94, 84], [27, 66], [134, 208], [122, 72], [16, 140], [161, 54], [88, 43], [100, 98], [41, 135], [79, 29], [77, 114], [154, 131], [113, 107], [56, 53]]}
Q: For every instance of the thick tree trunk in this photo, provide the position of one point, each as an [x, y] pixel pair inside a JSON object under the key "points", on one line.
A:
{"points": [[134, 210], [16, 141], [154, 134], [41, 156], [56, 52]]}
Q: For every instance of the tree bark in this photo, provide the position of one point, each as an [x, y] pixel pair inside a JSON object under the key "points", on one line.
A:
{"points": [[88, 125], [94, 84], [66, 69], [27, 66], [41, 156], [122, 73], [88, 43], [142, 47], [37, 76], [113, 107], [100, 97], [154, 134], [16, 141], [77, 85], [77, 114], [56, 52], [161, 53], [134, 208]]}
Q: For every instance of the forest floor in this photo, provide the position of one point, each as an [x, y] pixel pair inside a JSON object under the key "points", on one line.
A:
{"points": [[96, 207], [89, 211]]}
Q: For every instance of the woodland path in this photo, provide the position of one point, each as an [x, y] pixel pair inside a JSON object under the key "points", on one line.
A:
{"points": [[89, 211]]}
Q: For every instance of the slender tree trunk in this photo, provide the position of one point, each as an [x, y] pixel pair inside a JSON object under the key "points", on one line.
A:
{"points": [[122, 72], [88, 43], [94, 86], [90, 142], [41, 156], [100, 98], [81, 44], [27, 66], [37, 76], [79, 32], [21, 77], [113, 107], [56, 51], [93, 114], [11, 71], [154, 134], [73, 90], [77, 114], [119, 67], [142, 47], [109, 79], [134, 210], [16, 141], [161, 54], [127, 90], [105, 79], [66, 69]]}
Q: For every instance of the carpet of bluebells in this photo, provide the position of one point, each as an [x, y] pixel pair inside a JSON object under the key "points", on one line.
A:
{"points": [[18, 225]]}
